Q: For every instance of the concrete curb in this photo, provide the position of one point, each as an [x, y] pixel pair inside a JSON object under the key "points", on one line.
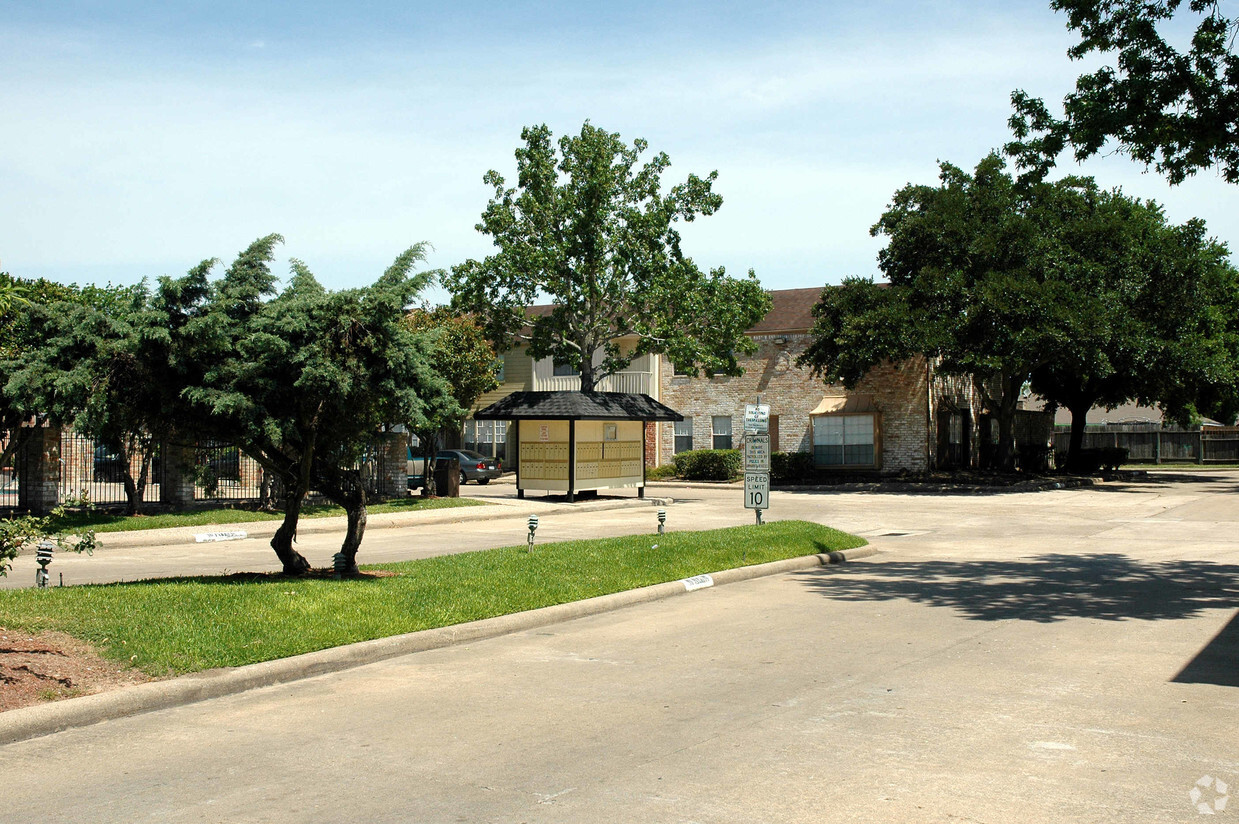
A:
{"points": [[45, 719], [319, 526]]}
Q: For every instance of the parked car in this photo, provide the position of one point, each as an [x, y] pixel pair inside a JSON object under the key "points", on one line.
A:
{"points": [[473, 465], [109, 467]]}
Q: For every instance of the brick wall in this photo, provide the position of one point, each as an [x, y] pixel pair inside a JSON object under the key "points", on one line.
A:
{"points": [[899, 393]]}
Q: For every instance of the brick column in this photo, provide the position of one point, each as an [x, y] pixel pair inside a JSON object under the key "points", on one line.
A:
{"points": [[177, 485], [38, 471], [394, 482]]}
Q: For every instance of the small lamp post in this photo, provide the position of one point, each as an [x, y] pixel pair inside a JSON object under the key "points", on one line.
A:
{"points": [[340, 564], [43, 557], [533, 527], [662, 521]]}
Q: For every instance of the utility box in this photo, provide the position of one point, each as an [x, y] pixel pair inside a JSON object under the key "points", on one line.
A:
{"points": [[447, 478]]}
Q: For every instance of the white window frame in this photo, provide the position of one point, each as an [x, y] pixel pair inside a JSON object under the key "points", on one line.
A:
{"points": [[845, 432], [680, 430]]}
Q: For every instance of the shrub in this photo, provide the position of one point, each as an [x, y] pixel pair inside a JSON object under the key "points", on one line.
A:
{"points": [[1092, 461], [1032, 457], [791, 466], [707, 464], [660, 473]]}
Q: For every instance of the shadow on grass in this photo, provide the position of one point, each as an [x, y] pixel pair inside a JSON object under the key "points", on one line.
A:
{"points": [[236, 578]]}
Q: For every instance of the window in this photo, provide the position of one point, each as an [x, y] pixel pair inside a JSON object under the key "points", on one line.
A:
{"points": [[563, 370], [499, 368], [488, 438], [720, 428], [679, 372], [843, 440], [683, 435]]}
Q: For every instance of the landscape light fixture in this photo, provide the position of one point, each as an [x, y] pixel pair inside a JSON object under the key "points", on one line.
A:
{"points": [[533, 527], [662, 521], [43, 557]]}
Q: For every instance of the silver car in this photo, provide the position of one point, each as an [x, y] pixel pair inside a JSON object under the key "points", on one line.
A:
{"points": [[474, 466]]}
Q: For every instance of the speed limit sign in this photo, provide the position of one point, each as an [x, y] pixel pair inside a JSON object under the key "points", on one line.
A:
{"points": [[756, 490]]}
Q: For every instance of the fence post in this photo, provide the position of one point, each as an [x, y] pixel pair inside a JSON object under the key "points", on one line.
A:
{"points": [[38, 471], [1200, 444], [1157, 447], [394, 481], [176, 488]]}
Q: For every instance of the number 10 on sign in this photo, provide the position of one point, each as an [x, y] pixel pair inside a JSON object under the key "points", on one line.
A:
{"points": [[756, 490]]}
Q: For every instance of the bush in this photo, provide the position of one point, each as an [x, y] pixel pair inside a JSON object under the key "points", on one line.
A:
{"points": [[1092, 461], [27, 530], [707, 464], [791, 466], [660, 473], [1032, 457]]}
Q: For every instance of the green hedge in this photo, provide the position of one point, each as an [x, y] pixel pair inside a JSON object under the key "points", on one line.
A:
{"points": [[791, 466], [707, 464]]}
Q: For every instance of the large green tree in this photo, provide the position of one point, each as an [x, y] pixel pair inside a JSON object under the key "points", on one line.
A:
{"points": [[303, 380], [593, 230], [1156, 305], [20, 334], [462, 356], [975, 268], [1089, 295], [99, 362], [1172, 107]]}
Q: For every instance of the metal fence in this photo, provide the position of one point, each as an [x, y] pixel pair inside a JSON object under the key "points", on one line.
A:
{"points": [[222, 473], [92, 471], [1150, 443], [9, 476]]}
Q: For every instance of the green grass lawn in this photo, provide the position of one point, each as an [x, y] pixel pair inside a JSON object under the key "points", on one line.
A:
{"points": [[190, 624], [116, 522]]}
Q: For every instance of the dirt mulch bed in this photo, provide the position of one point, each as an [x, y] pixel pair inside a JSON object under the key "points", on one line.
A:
{"points": [[50, 666]]}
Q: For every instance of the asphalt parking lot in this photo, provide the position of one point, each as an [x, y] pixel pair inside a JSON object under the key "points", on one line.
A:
{"points": [[1070, 655]]}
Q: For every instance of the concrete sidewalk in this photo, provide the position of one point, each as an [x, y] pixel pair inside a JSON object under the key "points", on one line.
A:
{"points": [[492, 508]]}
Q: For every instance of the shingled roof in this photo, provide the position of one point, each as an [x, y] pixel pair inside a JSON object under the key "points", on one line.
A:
{"points": [[580, 406], [791, 310]]}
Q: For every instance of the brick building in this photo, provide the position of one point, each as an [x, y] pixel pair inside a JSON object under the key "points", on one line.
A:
{"points": [[901, 418], [884, 424]]}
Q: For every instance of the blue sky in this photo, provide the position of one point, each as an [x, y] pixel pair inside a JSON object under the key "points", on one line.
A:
{"points": [[140, 138]]}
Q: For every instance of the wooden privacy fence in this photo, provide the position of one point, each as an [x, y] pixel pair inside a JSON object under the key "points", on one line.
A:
{"points": [[1150, 443]]}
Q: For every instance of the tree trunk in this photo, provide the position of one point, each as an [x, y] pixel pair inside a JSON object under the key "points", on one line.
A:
{"points": [[294, 562], [587, 374], [345, 488], [1006, 422], [356, 512], [430, 448], [1079, 418]]}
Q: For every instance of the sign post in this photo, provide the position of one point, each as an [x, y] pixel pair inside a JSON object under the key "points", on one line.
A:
{"points": [[757, 457]]}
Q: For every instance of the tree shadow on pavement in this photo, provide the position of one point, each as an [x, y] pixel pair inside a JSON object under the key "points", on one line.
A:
{"points": [[1046, 588], [1218, 662]]}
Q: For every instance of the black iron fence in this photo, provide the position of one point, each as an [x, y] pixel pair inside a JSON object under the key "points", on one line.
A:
{"points": [[1151, 443], [93, 471], [9, 474]]}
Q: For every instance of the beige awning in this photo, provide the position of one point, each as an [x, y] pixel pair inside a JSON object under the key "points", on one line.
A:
{"points": [[845, 404]]}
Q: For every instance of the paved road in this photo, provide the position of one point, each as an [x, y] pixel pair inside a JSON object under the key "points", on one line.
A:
{"points": [[1067, 656], [1162, 515]]}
